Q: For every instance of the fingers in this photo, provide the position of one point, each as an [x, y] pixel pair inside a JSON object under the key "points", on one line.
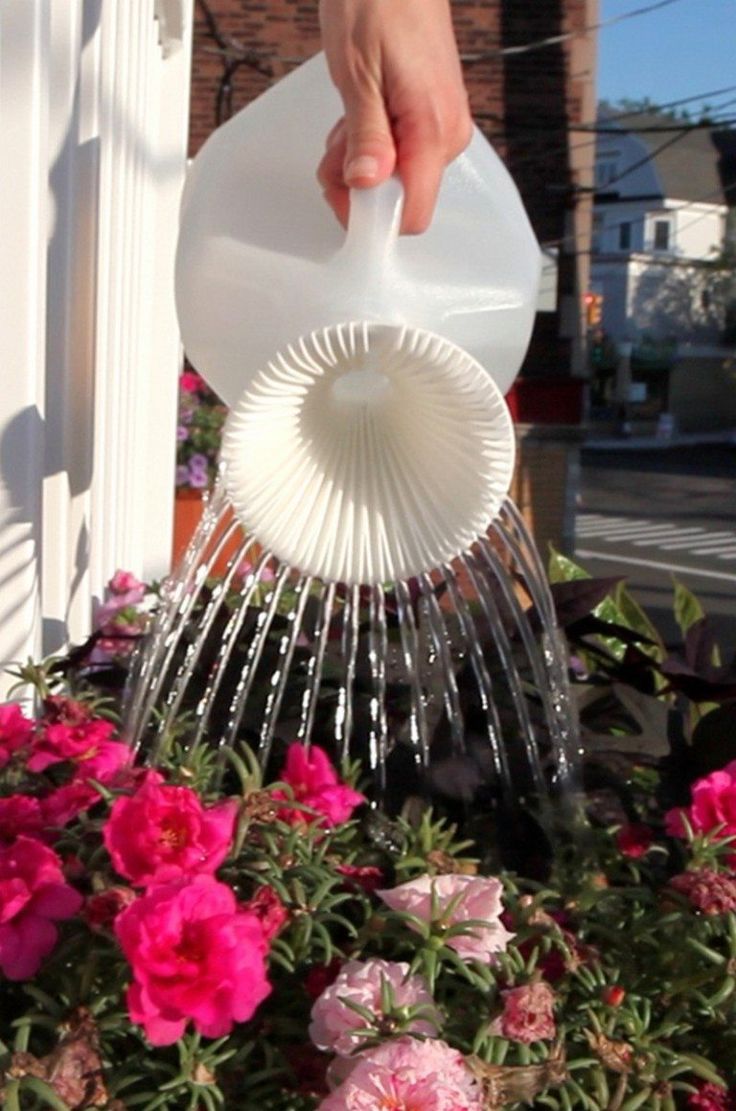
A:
{"points": [[426, 144], [360, 153], [330, 173]]}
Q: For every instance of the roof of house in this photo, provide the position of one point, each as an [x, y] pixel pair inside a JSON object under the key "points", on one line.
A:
{"points": [[697, 164]]}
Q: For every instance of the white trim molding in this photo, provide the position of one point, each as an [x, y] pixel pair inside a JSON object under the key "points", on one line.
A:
{"points": [[93, 131]]}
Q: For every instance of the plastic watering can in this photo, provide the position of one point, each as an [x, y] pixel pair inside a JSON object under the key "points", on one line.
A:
{"points": [[368, 439]]}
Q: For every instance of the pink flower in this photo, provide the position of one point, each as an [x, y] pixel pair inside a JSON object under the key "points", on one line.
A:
{"points": [[528, 1014], [459, 899], [190, 381], [337, 1028], [315, 783], [713, 805], [125, 584], [163, 832], [57, 742], [20, 814], [709, 891], [16, 731], [33, 894], [408, 1075], [634, 840], [710, 1097], [194, 955], [269, 910]]}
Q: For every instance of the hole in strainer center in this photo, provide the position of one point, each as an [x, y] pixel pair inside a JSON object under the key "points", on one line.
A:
{"points": [[361, 387]]}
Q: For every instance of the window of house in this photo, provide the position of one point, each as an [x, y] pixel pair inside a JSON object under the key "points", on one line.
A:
{"points": [[624, 236], [661, 235], [606, 170]]}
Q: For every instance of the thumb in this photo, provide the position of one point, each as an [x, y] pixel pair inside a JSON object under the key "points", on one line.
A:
{"points": [[370, 154]]}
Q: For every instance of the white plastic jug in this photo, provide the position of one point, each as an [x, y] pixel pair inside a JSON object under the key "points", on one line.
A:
{"points": [[368, 438]]}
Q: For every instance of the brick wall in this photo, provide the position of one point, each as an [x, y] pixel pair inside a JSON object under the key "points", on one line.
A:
{"points": [[525, 103]]}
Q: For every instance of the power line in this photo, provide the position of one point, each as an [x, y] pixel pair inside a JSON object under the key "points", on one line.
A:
{"points": [[554, 40], [234, 50]]}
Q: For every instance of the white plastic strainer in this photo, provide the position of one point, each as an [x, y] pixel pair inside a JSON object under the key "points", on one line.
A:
{"points": [[368, 452]]}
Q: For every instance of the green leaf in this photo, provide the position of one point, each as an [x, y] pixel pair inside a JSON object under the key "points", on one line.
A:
{"points": [[688, 609], [45, 1092], [562, 569], [634, 617]]}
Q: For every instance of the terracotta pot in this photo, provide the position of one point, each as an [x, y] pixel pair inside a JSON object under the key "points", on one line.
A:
{"points": [[188, 505]]}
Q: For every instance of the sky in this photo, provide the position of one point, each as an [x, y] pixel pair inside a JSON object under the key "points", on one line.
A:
{"points": [[683, 49]]}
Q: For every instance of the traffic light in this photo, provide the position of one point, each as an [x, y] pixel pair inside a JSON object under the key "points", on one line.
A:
{"points": [[593, 309]]}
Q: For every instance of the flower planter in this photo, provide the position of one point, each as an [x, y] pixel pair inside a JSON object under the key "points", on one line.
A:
{"points": [[188, 506]]}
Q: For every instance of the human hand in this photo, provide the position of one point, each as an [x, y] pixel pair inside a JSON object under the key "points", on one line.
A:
{"points": [[396, 67]]}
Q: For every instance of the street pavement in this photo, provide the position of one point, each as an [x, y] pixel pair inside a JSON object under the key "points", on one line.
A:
{"points": [[651, 514]]}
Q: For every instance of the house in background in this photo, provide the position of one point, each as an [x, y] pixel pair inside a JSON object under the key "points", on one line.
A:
{"points": [[663, 190]]}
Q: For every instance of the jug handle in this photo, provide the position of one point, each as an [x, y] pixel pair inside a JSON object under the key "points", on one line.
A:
{"points": [[373, 224]]}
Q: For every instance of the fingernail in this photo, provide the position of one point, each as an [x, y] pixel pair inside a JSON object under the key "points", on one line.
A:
{"points": [[364, 166]]}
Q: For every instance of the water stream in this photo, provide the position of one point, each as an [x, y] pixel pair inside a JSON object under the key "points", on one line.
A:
{"points": [[463, 663]]}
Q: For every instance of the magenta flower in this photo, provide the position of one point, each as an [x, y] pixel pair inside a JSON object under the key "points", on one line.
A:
{"points": [[57, 742], [713, 805], [634, 840], [408, 1075], [20, 814], [16, 731], [190, 381], [33, 895], [707, 890], [459, 899], [163, 832], [528, 1014], [195, 956], [337, 1028], [710, 1097], [315, 783], [67, 802]]}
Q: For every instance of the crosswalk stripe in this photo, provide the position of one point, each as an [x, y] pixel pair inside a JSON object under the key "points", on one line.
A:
{"points": [[675, 534], [707, 538], [624, 530], [659, 565]]}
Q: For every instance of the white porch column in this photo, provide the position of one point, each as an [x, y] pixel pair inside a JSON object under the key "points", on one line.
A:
{"points": [[93, 120]]}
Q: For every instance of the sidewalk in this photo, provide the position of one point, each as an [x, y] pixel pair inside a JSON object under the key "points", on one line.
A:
{"points": [[596, 442]]}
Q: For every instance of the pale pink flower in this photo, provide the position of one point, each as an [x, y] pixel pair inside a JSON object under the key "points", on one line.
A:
{"points": [[195, 955], [336, 1027], [408, 1075], [163, 832], [713, 805], [528, 1013], [33, 895], [315, 783], [125, 584], [16, 731], [459, 899]]}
